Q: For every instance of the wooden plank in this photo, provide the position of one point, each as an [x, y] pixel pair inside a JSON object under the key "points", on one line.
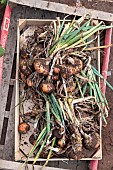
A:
{"points": [[32, 13], [82, 165], [72, 164], [63, 8], [8, 60], [8, 150], [15, 165], [1, 149]]}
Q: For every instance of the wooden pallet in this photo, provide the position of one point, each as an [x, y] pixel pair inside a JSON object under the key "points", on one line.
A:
{"points": [[7, 91]]}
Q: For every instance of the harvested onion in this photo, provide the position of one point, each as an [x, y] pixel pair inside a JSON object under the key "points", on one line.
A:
{"points": [[41, 66], [26, 67], [46, 87], [67, 71], [23, 128], [30, 81], [55, 77], [57, 69], [62, 141]]}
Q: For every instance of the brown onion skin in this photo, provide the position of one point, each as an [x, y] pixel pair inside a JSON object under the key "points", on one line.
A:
{"points": [[29, 82], [62, 141], [41, 66], [23, 128], [47, 87], [25, 67], [93, 142], [57, 69], [55, 77], [67, 72]]}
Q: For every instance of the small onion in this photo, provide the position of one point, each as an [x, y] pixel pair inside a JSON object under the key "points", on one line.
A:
{"points": [[57, 69], [67, 71], [62, 141], [25, 67], [47, 87], [55, 77], [92, 142], [29, 82], [70, 87], [23, 128], [41, 66]]}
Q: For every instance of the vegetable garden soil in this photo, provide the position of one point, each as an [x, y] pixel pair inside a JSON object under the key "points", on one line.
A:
{"points": [[102, 5], [107, 162]]}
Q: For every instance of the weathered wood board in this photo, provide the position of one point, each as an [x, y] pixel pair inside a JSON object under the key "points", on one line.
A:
{"points": [[16, 166], [64, 8]]}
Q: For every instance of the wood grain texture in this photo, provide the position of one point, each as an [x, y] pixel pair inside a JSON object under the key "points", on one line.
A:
{"points": [[9, 165], [63, 8]]}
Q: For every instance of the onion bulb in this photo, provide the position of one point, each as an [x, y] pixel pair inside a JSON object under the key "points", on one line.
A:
{"points": [[57, 69], [23, 128], [26, 67], [41, 66], [62, 141], [92, 141], [55, 77], [67, 71], [46, 87], [30, 81]]}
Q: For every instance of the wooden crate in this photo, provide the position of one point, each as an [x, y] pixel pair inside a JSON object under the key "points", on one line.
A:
{"points": [[7, 91], [21, 151]]}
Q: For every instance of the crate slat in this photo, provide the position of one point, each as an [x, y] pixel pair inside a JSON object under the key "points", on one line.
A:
{"points": [[8, 62], [15, 165], [63, 8]]}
